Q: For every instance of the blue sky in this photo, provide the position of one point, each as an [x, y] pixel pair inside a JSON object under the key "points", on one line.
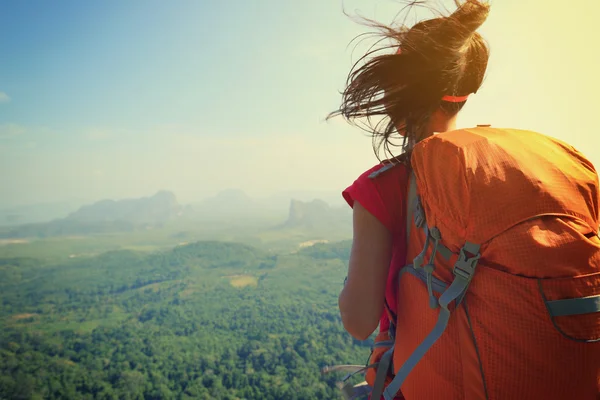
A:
{"points": [[142, 63], [123, 98]]}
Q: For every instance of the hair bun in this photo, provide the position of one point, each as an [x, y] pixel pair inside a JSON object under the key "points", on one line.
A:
{"points": [[470, 15]]}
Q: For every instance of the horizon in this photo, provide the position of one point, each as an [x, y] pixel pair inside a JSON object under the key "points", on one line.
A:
{"points": [[120, 100], [286, 195], [227, 206]]}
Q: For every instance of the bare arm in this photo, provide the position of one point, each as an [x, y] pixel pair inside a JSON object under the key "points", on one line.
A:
{"points": [[362, 299]]}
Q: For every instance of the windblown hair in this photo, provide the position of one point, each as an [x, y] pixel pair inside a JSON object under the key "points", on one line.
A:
{"points": [[439, 56]]}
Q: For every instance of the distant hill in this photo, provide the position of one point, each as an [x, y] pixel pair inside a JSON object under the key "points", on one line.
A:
{"points": [[226, 210], [317, 215], [107, 216], [235, 204], [332, 197], [230, 202], [157, 209]]}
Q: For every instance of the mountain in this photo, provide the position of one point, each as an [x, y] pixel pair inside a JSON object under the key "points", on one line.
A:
{"points": [[331, 197], [230, 201], [228, 209], [107, 216], [317, 215], [157, 209], [235, 204]]}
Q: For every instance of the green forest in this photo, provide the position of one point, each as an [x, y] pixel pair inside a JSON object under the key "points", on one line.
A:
{"points": [[206, 320]]}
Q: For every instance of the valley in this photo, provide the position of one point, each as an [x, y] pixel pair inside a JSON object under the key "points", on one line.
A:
{"points": [[181, 309]]}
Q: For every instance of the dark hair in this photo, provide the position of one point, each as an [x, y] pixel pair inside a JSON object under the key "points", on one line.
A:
{"points": [[439, 56]]}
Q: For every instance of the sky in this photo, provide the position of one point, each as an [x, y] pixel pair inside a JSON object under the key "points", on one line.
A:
{"points": [[119, 99]]}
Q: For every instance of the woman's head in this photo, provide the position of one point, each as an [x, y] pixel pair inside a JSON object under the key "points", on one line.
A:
{"points": [[439, 57]]}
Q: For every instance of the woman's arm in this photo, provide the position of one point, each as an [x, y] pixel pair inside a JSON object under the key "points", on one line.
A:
{"points": [[362, 298]]}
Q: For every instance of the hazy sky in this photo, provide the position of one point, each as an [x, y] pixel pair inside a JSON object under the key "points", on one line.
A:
{"points": [[113, 98]]}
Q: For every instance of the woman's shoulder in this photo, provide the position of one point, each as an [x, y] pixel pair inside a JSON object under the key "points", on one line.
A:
{"points": [[385, 173], [381, 190], [394, 166]]}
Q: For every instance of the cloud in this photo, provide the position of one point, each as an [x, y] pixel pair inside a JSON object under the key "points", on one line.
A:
{"points": [[11, 130], [4, 98]]}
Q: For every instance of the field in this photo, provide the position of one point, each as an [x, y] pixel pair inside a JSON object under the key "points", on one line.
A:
{"points": [[172, 314]]}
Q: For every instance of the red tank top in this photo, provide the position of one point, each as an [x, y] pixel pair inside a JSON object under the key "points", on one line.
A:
{"points": [[384, 196]]}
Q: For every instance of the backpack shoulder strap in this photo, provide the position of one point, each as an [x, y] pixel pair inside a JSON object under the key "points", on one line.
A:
{"points": [[411, 202], [385, 364]]}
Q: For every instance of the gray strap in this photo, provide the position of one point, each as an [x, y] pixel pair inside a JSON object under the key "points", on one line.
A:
{"points": [[352, 392], [444, 251], [384, 343], [381, 170], [394, 387], [465, 266], [411, 203], [362, 389], [472, 248], [438, 285], [420, 258], [581, 305], [346, 368], [359, 371], [457, 289], [382, 372], [348, 391]]}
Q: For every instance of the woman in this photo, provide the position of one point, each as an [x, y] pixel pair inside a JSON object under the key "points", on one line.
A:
{"points": [[418, 89]]}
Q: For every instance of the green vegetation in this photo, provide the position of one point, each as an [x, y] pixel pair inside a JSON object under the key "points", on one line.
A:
{"points": [[263, 234], [207, 320]]}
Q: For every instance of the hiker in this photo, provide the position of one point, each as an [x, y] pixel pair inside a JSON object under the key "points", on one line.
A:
{"points": [[475, 251]]}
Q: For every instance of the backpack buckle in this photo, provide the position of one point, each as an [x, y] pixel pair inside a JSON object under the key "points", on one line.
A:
{"points": [[465, 267], [419, 214], [433, 302]]}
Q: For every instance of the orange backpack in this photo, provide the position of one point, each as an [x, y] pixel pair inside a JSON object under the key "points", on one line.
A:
{"points": [[502, 299]]}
